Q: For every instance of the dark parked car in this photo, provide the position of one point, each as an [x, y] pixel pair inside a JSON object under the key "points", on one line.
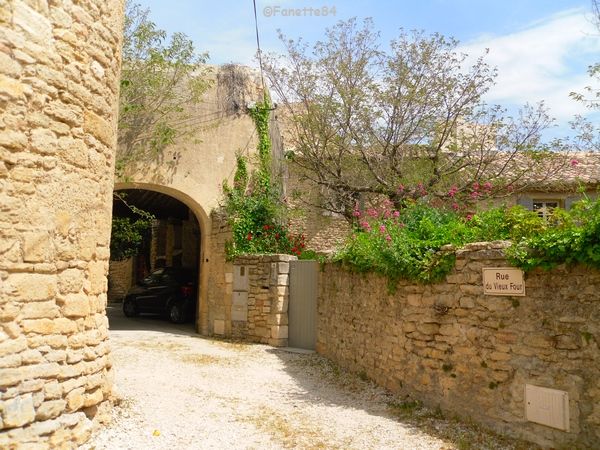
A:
{"points": [[168, 291]]}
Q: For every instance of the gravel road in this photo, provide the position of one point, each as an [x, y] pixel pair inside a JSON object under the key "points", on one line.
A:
{"points": [[182, 391]]}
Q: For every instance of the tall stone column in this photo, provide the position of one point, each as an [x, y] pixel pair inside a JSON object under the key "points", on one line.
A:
{"points": [[59, 72]]}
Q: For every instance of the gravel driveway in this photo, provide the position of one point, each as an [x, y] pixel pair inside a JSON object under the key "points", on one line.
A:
{"points": [[182, 391]]}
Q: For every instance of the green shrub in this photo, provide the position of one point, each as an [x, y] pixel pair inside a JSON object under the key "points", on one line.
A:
{"points": [[408, 243], [253, 205], [570, 237]]}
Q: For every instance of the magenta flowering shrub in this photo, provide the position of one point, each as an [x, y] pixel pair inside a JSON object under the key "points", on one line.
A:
{"points": [[407, 243]]}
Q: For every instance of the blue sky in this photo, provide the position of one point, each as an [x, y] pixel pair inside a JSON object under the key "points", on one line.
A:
{"points": [[541, 48]]}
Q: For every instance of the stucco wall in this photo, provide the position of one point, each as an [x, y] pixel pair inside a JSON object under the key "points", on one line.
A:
{"points": [[197, 165], [59, 71], [447, 344]]}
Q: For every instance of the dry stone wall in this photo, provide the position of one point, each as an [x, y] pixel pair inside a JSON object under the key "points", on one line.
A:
{"points": [[59, 71], [256, 310], [120, 279], [261, 298], [472, 354]]}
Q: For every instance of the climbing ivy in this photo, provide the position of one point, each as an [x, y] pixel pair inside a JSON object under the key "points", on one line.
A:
{"points": [[260, 114], [254, 208]]}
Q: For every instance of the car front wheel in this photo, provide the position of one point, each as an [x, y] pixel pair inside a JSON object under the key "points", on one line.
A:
{"points": [[130, 308]]}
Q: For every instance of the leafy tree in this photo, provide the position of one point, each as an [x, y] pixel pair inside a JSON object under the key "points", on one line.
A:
{"points": [[587, 133], [127, 234], [160, 81], [402, 123]]}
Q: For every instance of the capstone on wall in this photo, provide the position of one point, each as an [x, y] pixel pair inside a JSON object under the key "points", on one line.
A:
{"points": [[447, 344], [59, 71]]}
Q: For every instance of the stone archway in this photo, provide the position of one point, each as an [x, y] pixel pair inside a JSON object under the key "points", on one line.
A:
{"points": [[204, 222]]}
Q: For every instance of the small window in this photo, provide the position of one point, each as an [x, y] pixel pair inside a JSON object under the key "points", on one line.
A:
{"points": [[544, 208]]}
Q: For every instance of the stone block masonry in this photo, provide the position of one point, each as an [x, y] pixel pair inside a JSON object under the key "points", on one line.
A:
{"points": [[59, 72], [258, 312], [267, 299], [450, 345]]}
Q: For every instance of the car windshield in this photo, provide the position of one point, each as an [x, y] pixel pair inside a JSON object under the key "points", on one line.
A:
{"points": [[158, 276]]}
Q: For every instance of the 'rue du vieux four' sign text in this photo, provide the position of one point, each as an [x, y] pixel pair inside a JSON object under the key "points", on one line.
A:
{"points": [[503, 281]]}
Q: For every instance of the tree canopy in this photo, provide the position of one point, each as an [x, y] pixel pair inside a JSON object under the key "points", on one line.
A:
{"points": [[588, 133], [161, 79], [402, 122]]}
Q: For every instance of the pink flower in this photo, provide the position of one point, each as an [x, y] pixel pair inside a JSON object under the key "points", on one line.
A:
{"points": [[487, 186], [452, 192], [469, 216], [455, 206], [574, 163], [382, 228], [476, 186], [474, 195], [372, 212], [387, 214], [356, 213], [365, 225], [401, 189], [396, 214], [388, 238]]}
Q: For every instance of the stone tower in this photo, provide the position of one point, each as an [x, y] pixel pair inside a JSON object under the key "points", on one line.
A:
{"points": [[59, 72]]}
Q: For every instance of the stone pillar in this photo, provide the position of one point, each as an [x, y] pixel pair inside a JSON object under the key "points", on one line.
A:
{"points": [[266, 301], [59, 72]]}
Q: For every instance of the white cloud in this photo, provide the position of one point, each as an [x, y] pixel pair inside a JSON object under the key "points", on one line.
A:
{"points": [[545, 61]]}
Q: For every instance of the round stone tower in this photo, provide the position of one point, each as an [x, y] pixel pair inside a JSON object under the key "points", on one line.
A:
{"points": [[59, 73]]}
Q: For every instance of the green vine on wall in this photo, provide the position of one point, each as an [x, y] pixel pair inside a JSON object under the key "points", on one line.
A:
{"points": [[254, 208], [260, 114]]}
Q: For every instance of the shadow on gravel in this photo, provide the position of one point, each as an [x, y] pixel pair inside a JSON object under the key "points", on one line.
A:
{"points": [[311, 371], [118, 322]]}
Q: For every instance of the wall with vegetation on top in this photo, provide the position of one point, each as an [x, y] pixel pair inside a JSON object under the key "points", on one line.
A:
{"points": [[450, 345]]}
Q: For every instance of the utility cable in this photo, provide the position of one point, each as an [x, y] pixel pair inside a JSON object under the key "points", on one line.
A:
{"points": [[262, 78]]}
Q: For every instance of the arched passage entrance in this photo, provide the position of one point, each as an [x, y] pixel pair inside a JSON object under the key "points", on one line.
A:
{"points": [[174, 203]]}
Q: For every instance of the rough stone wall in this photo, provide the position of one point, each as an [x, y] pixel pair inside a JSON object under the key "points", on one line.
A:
{"points": [[261, 316], [59, 71], [447, 344], [266, 300], [120, 276], [324, 231]]}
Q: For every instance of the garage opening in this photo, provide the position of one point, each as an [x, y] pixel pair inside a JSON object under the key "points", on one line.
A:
{"points": [[161, 281]]}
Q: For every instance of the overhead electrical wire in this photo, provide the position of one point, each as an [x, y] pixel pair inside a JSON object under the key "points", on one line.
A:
{"points": [[262, 78]]}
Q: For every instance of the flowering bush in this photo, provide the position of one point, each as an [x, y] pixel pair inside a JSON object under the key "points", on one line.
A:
{"points": [[271, 239], [404, 244], [408, 243]]}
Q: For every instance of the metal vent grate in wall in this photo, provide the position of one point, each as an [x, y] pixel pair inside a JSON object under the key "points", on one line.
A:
{"points": [[546, 406]]}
